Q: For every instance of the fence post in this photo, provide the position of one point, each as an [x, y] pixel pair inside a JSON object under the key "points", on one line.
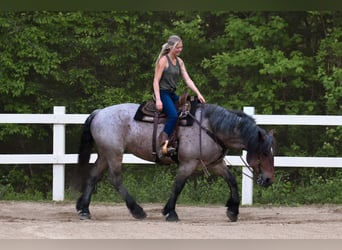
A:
{"points": [[58, 175], [247, 183]]}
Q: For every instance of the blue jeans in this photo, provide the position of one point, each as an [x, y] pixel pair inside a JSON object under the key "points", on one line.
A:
{"points": [[169, 99]]}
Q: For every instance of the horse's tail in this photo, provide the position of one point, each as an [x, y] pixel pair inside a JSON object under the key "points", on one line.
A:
{"points": [[84, 151], [87, 141]]}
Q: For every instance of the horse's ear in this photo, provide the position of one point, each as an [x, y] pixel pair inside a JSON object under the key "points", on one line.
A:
{"points": [[271, 132], [262, 135]]}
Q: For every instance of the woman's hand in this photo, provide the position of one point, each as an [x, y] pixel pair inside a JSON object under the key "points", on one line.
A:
{"points": [[159, 105], [201, 98]]}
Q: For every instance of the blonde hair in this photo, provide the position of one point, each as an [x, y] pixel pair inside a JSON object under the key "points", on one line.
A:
{"points": [[171, 43]]}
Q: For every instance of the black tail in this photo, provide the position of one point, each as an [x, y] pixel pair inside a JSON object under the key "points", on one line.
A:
{"points": [[87, 141], [84, 151]]}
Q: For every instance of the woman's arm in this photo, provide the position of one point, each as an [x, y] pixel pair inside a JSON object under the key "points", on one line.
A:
{"points": [[189, 82], [157, 75]]}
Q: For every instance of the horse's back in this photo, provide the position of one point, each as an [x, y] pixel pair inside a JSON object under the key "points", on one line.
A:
{"points": [[112, 121], [114, 127], [121, 109]]}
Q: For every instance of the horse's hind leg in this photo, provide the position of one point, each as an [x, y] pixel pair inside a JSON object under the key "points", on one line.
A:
{"points": [[115, 169], [83, 202], [234, 200]]}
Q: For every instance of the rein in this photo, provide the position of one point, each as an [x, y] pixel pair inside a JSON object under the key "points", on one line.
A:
{"points": [[247, 166], [212, 136], [218, 141], [205, 169]]}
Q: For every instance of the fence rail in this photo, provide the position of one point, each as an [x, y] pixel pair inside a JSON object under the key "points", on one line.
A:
{"points": [[59, 119]]}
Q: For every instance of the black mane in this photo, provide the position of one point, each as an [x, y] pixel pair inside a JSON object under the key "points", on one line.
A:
{"points": [[228, 122]]}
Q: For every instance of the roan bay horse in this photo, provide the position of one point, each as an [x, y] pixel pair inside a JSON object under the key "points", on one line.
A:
{"points": [[114, 131]]}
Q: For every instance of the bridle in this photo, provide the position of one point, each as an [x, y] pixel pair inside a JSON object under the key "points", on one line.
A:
{"points": [[249, 167]]}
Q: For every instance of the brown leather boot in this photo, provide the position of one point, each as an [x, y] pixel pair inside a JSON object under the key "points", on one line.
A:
{"points": [[165, 149], [163, 137]]}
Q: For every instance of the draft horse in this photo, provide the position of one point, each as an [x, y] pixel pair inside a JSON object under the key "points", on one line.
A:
{"points": [[217, 129]]}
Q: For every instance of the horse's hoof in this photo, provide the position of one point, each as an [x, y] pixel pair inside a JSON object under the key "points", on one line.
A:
{"points": [[232, 216], [165, 211], [84, 216], [138, 212], [172, 217], [142, 215]]}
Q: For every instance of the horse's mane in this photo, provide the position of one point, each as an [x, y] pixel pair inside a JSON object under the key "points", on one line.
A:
{"points": [[228, 122]]}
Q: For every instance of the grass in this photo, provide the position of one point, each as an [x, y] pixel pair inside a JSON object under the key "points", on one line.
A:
{"points": [[154, 185]]}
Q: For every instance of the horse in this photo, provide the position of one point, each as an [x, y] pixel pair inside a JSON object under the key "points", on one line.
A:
{"points": [[114, 131]]}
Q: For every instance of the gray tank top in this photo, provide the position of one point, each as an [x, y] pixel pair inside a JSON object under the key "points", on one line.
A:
{"points": [[170, 77]]}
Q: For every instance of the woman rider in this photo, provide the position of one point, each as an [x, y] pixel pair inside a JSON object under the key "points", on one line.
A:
{"points": [[169, 67]]}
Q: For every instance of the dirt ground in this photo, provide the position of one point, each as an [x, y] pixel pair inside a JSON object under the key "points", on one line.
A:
{"points": [[34, 220]]}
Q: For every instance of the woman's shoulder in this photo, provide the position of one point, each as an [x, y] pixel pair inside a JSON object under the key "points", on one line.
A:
{"points": [[180, 60], [162, 61]]}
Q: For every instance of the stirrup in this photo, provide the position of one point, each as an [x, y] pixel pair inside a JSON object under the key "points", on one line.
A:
{"points": [[168, 151], [164, 148]]}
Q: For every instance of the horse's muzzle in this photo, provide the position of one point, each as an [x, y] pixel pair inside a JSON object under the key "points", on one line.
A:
{"points": [[263, 180]]}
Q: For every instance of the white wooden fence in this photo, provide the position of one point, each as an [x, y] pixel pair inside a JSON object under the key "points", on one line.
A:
{"points": [[58, 158]]}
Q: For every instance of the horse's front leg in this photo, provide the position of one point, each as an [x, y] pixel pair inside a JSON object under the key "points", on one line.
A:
{"points": [[234, 199], [184, 171], [169, 209]]}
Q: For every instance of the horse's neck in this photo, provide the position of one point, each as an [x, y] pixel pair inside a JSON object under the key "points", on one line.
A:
{"points": [[233, 141], [232, 128], [236, 137]]}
